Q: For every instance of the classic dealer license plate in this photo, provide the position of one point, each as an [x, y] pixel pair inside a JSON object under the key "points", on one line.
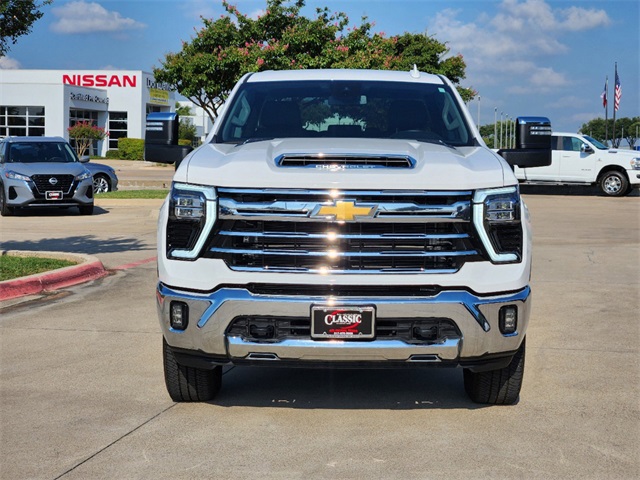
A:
{"points": [[346, 322], [55, 195]]}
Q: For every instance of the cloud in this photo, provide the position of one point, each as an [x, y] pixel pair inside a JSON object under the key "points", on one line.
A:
{"points": [[569, 101], [256, 14], [585, 117], [520, 29], [7, 63], [538, 15], [84, 17]]}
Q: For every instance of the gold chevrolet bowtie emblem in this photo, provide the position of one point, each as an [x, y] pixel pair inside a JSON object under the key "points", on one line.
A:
{"points": [[345, 211]]}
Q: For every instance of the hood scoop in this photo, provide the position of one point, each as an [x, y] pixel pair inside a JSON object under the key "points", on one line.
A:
{"points": [[344, 161]]}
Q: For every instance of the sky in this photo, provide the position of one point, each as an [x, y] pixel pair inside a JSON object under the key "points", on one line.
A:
{"points": [[524, 57]]}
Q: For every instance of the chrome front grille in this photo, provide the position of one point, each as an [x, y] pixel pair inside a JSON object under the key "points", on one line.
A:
{"points": [[343, 232]]}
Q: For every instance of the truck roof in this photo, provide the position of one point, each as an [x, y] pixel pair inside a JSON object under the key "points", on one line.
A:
{"points": [[345, 74]]}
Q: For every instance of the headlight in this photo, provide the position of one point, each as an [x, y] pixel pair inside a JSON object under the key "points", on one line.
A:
{"points": [[84, 175], [16, 176], [635, 163], [496, 215], [192, 214]]}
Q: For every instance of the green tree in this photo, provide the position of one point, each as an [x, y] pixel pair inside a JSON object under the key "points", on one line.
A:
{"points": [[186, 129], [183, 110], [634, 131], [209, 65], [16, 18], [506, 134], [603, 131]]}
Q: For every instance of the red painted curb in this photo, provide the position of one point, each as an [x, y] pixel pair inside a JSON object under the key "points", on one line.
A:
{"points": [[126, 266], [54, 280]]}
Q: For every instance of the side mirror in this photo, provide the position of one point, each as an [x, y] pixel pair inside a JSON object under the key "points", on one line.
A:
{"points": [[84, 158], [161, 139], [533, 143], [584, 148]]}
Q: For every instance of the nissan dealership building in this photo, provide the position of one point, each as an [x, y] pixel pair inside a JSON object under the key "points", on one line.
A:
{"points": [[48, 102]]}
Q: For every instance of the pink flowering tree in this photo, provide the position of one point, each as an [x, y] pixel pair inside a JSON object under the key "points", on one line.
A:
{"points": [[224, 49], [84, 134]]}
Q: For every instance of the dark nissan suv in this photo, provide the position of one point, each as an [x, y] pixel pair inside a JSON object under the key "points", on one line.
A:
{"points": [[43, 172]]}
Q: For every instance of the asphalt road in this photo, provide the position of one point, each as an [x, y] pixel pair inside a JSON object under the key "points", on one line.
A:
{"points": [[82, 394]]}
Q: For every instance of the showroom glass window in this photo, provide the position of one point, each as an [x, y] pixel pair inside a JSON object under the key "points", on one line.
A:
{"points": [[76, 116], [21, 121], [117, 128]]}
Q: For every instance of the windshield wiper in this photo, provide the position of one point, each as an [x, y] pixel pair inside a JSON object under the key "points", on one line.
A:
{"points": [[254, 139]]}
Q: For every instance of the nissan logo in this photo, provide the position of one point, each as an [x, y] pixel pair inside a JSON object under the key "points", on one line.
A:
{"points": [[53, 181]]}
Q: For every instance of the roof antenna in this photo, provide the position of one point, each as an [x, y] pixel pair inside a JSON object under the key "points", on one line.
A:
{"points": [[414, 72]]}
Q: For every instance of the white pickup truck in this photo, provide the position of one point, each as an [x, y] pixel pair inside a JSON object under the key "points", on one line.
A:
{"points": [[579, 159], [346, 218]]}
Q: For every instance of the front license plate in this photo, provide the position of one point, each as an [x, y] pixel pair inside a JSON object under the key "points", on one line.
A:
{"points": [[345, 322], [53, 195]]}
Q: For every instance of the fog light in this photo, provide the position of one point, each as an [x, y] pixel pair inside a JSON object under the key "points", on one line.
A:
{"points": [[178, 315], [508, 319]]}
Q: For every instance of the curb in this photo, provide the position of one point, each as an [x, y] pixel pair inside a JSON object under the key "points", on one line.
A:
{"points": [[88, 268]]}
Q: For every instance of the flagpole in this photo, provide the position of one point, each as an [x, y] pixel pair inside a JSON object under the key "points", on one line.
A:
{"points": [[606, 110], [613, 137]]}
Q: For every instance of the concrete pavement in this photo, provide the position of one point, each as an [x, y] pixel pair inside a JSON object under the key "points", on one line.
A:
{"points": [[83, 396]]}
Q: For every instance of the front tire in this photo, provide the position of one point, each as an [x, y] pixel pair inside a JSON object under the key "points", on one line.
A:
{"points": [[101, 184], [614, 183], [5, 210], [189, 384], [497, 387]]}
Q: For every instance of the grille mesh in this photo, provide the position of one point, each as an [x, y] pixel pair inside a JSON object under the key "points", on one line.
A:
{"points": [[421, 331], [43, 184]]}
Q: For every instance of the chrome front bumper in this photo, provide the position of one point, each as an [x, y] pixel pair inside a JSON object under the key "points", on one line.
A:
{"points": [[477, 317]]}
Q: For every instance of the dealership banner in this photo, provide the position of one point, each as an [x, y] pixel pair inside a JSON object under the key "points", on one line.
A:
{"points": [[158, 97]]}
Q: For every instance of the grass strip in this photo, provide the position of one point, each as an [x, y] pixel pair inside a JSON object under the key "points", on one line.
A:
{"points": [[134, 194], [15, 267]]}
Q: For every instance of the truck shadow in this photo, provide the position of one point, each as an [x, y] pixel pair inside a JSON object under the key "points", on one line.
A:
{"points": [[344, 389], [56, 212], [568, 190], [87, 244]]}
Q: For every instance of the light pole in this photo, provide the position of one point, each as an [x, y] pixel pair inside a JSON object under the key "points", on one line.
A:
{"points": [[478, 112], [501, 114], [495, 127]]}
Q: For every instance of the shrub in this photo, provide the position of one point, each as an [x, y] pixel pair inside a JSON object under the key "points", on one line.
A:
{"points": [[131, 148], [113, 154], [84, 133], [185, 142]]}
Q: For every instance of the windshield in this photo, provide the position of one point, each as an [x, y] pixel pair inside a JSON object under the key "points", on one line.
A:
{"points": [[36, 152], [333, 109], [597, 144]]}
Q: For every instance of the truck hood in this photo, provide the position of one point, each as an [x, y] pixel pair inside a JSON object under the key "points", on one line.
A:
{"points": [[436, 167], [46, 168], [626, 154]]}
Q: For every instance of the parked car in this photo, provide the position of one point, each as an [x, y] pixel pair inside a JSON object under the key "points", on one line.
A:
{"points": [[104, 177], [43, 172]]}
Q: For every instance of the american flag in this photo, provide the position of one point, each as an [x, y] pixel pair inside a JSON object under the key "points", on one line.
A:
{"points": [[604, 96], [618, 93]]}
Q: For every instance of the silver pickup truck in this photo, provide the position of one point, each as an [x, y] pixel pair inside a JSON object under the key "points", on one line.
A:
{"points": [[347, 218]]}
